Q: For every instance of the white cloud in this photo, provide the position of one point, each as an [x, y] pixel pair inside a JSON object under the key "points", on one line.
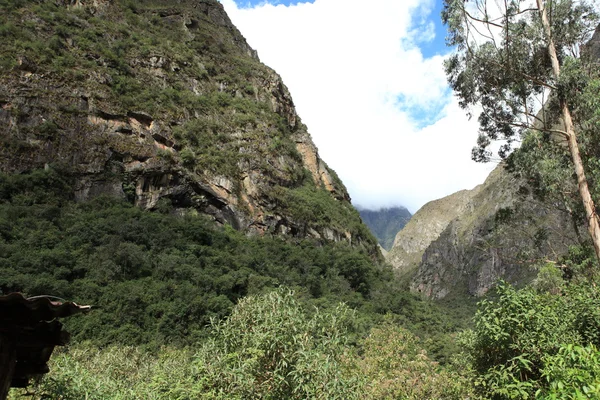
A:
{"points": [[368, 96]]}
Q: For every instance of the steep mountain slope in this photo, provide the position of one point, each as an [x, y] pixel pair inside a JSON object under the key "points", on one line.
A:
{"points": [[503, 228], [424, 227], [163, 103], [495, 233], [385, 223]]}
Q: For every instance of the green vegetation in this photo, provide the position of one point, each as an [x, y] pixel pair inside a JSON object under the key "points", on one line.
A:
{"points": [[134, 58], [533, 64], [270, 347], [537, 342], [158, 279], [184, 309], [310, 203], [174, 85]]}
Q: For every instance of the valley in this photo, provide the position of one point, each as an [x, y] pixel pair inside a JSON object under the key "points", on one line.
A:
{"points": [[153, 167]]}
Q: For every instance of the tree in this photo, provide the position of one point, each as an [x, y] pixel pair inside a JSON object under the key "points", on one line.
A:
{"points": [[508, 61]]}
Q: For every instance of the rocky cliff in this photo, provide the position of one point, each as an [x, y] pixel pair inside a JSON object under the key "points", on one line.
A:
{"points": [[466, 242], [463, 244], [424, 227], [163, 103]]}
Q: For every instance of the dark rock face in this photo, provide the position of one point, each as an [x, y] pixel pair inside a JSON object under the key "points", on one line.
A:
{"points": [[497, 231], [591, 50], [164, 101], [424, 227], [505, 231]]}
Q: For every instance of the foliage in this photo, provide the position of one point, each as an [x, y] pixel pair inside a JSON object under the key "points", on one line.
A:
{"points": [[156, 279], [572, 373], [543, 161], [395, 366], [270, 348], [502, 63], [309, 203], [528, 343], [115, 372]]}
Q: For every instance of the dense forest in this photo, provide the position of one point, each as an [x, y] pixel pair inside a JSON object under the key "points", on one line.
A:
{"points": [[186, 305], [162, 282]]}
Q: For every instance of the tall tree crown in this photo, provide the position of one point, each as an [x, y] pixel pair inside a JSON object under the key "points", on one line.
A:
{"points": [[502, 63]]}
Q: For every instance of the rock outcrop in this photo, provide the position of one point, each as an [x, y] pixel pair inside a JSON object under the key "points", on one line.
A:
{"points": [[424, 227], [495, 232], [164, 102]]}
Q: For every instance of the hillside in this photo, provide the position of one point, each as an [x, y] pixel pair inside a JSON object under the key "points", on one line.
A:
{"points": [[469, 240], [385, 223], [424, 227], [164, 104], [524, 215], [151, 166]]}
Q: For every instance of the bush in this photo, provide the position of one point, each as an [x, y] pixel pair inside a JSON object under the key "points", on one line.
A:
{"points": [[270, 348], [395, 366], [528, 343]]}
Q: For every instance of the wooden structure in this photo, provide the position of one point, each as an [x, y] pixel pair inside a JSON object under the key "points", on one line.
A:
{"points": [[29, 331]]}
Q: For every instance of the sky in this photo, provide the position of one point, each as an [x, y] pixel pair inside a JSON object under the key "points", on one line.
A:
{"points": [[367, 79]]}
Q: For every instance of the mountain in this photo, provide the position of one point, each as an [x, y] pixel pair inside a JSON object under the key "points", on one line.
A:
{"points": [[525, 214], [385, 223], [164, 104], [152, 166], [424, 227], [469, 240]]}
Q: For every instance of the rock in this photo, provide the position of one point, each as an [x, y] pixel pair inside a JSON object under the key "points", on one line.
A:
{"points": [[424, 227], [497, 233], [191, 119]]}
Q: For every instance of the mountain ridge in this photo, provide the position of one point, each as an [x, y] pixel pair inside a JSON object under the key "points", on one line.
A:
{"points": [[385, 222], [160, 102]]}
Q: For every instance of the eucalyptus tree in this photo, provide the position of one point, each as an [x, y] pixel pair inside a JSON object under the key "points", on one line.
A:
{"points": [[507, 64]]}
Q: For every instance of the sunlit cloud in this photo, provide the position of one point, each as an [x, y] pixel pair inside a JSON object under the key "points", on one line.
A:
{"points": [[380, 112]]}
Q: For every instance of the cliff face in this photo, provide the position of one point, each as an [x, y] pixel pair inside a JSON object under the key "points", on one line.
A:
{"points": [[464, 243], [163, 102], [497, 230], [424, 227]]}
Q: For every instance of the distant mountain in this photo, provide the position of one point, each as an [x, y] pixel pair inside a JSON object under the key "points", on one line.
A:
{"points": [[385, 223], [464, 243]]}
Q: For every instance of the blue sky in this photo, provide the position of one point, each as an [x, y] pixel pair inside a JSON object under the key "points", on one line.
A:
{"points": [[367, 79]]}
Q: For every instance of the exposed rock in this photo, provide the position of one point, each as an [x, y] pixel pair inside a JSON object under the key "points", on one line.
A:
{"points": [[499, 232], [424, 227], [179, 110]]}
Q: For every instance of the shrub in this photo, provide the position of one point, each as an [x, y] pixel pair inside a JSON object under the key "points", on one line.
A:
{"points": [[395, 366], [529, 342], [270, 348]]}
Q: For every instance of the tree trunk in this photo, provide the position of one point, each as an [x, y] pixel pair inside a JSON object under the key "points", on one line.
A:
{"points": [[584, 191]]}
